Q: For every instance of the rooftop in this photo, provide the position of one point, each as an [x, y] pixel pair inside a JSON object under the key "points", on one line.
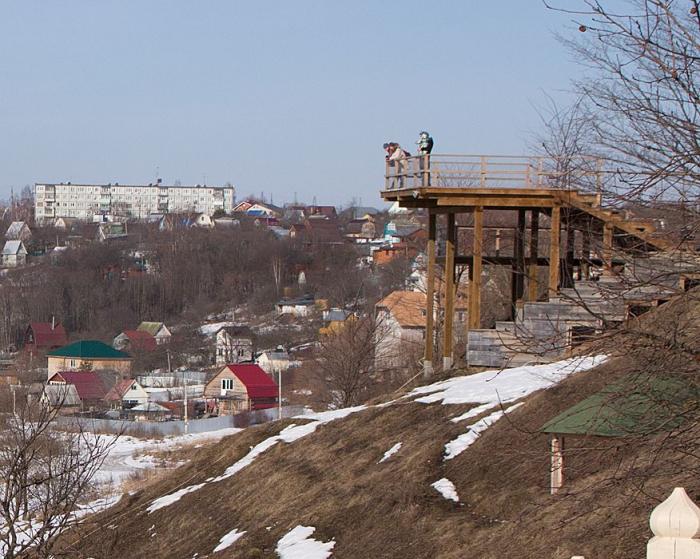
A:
{"points": [[88, 349]]}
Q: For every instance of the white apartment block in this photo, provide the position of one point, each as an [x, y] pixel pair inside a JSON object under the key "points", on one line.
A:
{"points": [[83, 201]]}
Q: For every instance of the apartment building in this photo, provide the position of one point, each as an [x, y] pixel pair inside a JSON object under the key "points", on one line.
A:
{"points": [[137, 201]]}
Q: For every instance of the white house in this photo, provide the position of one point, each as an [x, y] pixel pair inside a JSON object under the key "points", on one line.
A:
{"points": [[14, 254], [126, 394], [274, 362], [158, 330], [296, 307], [234, 344]]}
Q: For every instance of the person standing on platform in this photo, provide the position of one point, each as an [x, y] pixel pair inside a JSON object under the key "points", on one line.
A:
{"points": [[425, 148]]}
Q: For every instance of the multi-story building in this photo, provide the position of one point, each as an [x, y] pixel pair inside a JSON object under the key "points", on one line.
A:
{"points": [[83, 201]]}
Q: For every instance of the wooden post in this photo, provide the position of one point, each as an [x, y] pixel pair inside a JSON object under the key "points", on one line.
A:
{"points": [[557, 464], [447, 357], [586, 253], [518, 265], [554, 240], [430, 298], [475, 284], [607, 247], [568, 275], [532, 285]]}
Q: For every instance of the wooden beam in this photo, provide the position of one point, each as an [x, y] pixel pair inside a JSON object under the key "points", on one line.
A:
{"points": [[532, 285], [554, 239], [475, 284], [586, 254], [567, 279], [447, 356], [494, 202], [489, 260], [608, 231], [430, 298]]}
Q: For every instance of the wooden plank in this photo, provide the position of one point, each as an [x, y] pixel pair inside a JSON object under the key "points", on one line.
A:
{"points": [[557, 464], [586, 253], [475, 285], [430, 291], [608, 231], [532, 285], [518, 266], [495, 202], [447, 356], [554, 239]]}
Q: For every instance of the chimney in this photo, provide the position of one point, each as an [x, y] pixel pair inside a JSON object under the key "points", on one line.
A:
{"points": [[53, 322]]}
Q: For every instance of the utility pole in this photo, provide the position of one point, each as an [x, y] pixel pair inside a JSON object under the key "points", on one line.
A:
{"points": [[279, 395], [187, 421]]}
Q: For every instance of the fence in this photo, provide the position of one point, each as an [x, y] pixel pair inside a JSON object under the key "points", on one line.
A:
{"points": [[167, 428], [493, 171], [675, 524]]}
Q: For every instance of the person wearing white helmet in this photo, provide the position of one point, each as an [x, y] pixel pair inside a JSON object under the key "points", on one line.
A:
{"points": [[425, 148]]}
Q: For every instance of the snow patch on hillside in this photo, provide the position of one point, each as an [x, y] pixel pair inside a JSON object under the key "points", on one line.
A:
{"points": [[298, 544], [457, 446], [227, 540], [389, 453], [447, 489]]}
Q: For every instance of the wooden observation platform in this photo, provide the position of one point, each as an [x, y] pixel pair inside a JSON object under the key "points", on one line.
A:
{"points": [[557, 223]]}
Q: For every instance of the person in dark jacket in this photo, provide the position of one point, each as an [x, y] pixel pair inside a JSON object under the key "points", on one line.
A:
{"points": [[425, 148]]}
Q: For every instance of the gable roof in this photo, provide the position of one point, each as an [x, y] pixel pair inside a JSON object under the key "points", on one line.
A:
{"points": [[88, 383], [118, 391], [15, 230], [13, 248], [151, 327], [257, 382], [240, 331], [47, 336], [64, 394], [140, 339], [89, 349], [407, 308]]}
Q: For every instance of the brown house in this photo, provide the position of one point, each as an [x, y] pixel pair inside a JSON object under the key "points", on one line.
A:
{"points": [[241, 387]]}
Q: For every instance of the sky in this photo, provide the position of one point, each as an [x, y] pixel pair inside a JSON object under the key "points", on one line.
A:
{"points": [[286, 98]]}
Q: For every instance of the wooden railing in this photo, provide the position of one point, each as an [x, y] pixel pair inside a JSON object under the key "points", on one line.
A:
{"points": [[493, 171]]}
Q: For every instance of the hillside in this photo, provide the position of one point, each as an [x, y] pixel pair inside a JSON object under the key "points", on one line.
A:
{"points": [[343, 476]]}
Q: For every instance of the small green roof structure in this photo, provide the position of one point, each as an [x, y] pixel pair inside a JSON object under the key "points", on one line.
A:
{"points": [[88, 349], [151, 327], [640, 405]]}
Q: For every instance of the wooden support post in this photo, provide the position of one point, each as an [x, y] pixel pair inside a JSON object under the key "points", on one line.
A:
{"points": [[554, 240], [607, 247], [447, 357], [518, 267], [532, 284], [475, 284], [586, 253], [568, 262], [557, 464], [430, 298]]}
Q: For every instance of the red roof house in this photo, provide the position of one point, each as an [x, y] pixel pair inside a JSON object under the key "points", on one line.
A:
{"points": [[242, 387], [44, 335], [91, 386], [135, 340]]}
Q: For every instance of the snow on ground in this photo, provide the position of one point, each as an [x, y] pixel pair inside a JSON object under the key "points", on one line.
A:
{"points": [[389, 453], [288, 435], [502, 386], [298, 544], [447, 489], [229, 539], [457, 446]]}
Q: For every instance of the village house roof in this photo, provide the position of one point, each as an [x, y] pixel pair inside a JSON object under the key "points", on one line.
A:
{"points": [[45, 335], [326, 211], [150, 407], [88, 349], [276, 355], [118, 391], [150, 327], [257, 382], [14, 231], [407, 308], [89, 384], [64, 395], [240, 331], [140, 339], [305, 301], [12, 248]]}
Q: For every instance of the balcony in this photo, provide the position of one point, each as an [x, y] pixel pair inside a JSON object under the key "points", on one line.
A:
{"points": [[493, 171]]}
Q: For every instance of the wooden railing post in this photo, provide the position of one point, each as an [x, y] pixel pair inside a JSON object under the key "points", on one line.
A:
{"points": [[554, 251], [484, 170]]}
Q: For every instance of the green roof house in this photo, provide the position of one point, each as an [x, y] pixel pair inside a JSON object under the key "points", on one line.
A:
{"points": [[88, 355], [158, 330]]}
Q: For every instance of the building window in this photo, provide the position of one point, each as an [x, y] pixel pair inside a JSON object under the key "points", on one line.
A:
{"points": [[226, 384]]}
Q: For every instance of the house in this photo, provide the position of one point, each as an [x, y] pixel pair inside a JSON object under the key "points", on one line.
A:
{"points": [[135, 340], [173, 221], [91, 386], [226, 222], [275, 362], [241, 387], [387, 253], [14, 254], [64, 223], [126, 394], [319, 231], [158, 330], [44, 335], [329, 212], [234, 344], [63, 396], [18, 231], [334, 321], [88, 355], [361, 229], [149, 411], [296, 307], [111, 231]]}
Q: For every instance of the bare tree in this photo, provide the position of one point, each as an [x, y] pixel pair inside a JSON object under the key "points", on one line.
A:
{"points": [[45, 474]]}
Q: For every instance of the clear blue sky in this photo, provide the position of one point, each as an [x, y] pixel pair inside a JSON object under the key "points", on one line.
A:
{"points": [[278, 96]]}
